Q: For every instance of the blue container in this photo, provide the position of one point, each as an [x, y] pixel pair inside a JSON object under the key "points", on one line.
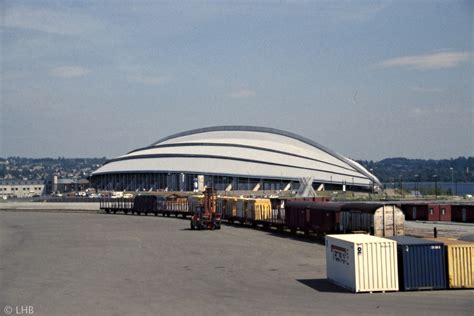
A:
{"points": [[421, 263]]}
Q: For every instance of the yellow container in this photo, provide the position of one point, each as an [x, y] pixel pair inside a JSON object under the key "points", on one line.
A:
{"points": [[260, 209], [460, 256]]}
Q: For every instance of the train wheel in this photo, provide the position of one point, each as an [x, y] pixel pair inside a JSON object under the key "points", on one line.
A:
{"points": [[126, 212], [156, 213], [107, 211]]}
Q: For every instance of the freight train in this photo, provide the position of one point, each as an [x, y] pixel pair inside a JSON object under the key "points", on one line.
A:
{"points": [[311, 217], [378, 219]]}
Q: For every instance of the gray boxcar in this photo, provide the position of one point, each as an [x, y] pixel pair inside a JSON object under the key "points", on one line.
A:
{"points": [[378, 219]]}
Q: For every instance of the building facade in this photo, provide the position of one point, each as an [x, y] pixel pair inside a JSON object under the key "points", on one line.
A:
{"points": [[21, 188], [232, 158]]}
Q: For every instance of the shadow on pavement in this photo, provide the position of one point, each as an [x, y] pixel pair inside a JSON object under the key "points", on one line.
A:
{"points": [[323, 285]]}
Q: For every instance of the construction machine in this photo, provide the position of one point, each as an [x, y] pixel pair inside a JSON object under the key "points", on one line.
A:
{"points": [[204, 216]]}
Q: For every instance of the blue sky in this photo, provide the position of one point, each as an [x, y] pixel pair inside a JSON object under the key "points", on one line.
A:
{"points": [[369, 80]]}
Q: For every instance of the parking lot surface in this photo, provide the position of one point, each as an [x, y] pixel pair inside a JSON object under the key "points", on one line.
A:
{"points": [[98, 264]]}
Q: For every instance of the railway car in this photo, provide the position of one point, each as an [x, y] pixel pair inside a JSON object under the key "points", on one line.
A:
{"points": [[312, 217], [114, 205], [278, 213], [259, 211], [336, 217], [148, 204], [253, 211], [195, 203], [241, 210], [463, 212], [378, 219], [176, 205], [227, 206], [415, 211]]}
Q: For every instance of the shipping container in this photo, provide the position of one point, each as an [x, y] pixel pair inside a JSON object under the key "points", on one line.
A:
{"points": [[362, 263], [421, 263], [378, 219], [460, 263]]}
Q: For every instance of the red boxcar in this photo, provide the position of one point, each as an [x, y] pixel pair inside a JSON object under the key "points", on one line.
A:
{"points": [[415, 211], [319, 218], [439, 212], [462, 213]]}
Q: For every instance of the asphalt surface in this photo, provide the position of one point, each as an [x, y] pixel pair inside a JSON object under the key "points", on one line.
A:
{"points": [[444, 229], [62, 207], [98, 264]]}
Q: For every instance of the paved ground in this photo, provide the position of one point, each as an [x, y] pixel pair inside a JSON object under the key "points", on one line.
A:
{"points": [[97, 264], [50, 206], [444, 229]]}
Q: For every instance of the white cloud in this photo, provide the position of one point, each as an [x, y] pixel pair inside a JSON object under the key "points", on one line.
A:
{"points": [[69, 71], [148, 80], [428, 61], [47, 21], [243, 93]]}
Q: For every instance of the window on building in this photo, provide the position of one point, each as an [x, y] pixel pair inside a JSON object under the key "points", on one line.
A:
{"points": [[443, 211], [431, 211]]}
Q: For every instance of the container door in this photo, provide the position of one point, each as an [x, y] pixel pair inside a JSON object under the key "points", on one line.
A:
{"points": [[376, 266], [414, 213], [464, 214]]}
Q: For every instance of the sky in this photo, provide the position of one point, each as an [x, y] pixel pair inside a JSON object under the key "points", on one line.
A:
{"points": [[369, 80]]}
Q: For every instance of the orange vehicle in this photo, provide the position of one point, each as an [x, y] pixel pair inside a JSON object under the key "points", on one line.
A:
{"points": [[205, 216]]}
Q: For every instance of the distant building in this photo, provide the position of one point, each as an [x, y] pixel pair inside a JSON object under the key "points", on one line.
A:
{"points": [[233, 158], [62, 185], [21, 188]]}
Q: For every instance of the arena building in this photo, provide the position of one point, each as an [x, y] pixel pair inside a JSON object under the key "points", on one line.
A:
{"points": [[232, 158]]}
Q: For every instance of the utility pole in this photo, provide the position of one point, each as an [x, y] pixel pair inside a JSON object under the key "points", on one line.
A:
{"points": [[416, 186], [452, 180]]}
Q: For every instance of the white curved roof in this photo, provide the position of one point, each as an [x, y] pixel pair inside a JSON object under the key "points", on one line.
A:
{"points": [[242, 151]]}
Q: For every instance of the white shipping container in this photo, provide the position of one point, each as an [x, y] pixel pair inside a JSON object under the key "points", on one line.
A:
{"points": [[362, 263]]}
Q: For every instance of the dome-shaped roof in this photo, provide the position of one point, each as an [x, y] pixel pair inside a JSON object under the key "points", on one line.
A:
{"points": [[246, 151]]}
